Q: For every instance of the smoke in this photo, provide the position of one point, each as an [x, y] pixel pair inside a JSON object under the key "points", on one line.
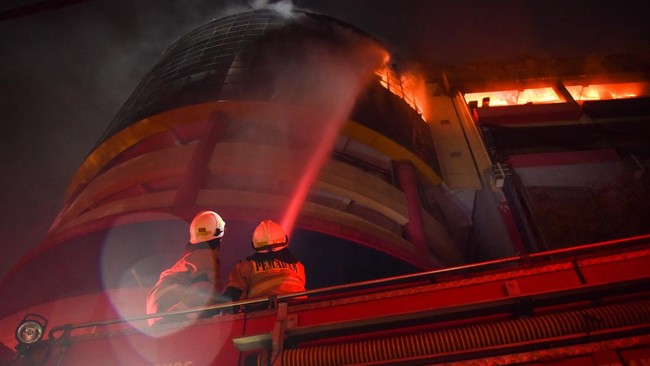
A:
{"points": [[284, 7], [69, 72]]}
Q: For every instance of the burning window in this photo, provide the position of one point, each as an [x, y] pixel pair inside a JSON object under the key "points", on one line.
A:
{"points": [[608, 91], [515, 97], [389, 80]]}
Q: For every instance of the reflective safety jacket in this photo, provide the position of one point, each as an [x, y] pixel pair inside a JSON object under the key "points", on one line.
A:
{"points": [[191, 282], [264, 274]]}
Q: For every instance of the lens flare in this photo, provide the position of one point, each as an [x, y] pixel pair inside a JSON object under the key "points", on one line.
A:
{"points": [[130, 260]]}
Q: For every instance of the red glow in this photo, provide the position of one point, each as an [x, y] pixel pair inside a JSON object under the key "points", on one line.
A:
{"points": [[320, 154]]}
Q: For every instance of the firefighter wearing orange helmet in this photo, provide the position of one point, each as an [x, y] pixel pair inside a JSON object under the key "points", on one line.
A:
{"points": [[272, 270], [194, 279]]}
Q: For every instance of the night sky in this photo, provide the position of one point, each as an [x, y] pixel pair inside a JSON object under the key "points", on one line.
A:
{"points": [[65, 71]]}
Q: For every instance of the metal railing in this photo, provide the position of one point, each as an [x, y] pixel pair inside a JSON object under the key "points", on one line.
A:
{"points": [[377, 284]]}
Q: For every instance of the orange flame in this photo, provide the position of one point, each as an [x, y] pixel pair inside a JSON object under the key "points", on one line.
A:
{"points": [[405, 86], [607, 91], [516, 97], [546, 95]]}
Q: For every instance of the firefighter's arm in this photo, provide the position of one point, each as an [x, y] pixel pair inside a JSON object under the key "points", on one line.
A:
{"points": [[231, 294], [237, 282], [167, 291], [163, 297]]}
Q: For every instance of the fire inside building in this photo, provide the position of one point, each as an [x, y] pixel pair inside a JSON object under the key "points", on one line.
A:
{"points": [[495, 214]]}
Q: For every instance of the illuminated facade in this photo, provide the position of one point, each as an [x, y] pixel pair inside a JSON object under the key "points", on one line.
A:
{"points": [[569, 150], [255, 116], [300, 120]]}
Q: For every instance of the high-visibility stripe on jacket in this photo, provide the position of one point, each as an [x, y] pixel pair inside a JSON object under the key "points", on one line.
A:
{"points": [[264, 274]]}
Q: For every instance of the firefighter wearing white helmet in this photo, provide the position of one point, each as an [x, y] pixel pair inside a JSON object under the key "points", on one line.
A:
{"points": [[269, 237], [272, 270], [206, 226], [195, 279]]}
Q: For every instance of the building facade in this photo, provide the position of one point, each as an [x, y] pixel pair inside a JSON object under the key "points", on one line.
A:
{"points": [[256, 116]]}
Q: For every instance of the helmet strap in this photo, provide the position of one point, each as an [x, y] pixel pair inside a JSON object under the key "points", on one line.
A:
{"points": [[214, 243], [272, 247], [210, 244]]}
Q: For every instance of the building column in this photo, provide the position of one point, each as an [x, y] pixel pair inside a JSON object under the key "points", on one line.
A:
{"points": [[197, 168], [414, 228]]}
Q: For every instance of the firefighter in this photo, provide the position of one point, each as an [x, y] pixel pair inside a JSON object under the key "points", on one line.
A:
{"points": [[273, 269], [195, 279]]}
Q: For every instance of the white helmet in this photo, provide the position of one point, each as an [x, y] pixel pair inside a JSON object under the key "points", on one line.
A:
{"points": [[269, 237], [207, 225]]}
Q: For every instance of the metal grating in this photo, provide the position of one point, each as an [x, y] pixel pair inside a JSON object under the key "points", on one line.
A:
{"points": [[193, 69]]}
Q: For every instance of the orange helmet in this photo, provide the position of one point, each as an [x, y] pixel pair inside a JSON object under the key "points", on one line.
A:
{"points": [[269, 237], [207, 225]]}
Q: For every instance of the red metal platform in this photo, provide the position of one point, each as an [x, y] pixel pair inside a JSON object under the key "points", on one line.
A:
{"points": [[579, 306]]}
